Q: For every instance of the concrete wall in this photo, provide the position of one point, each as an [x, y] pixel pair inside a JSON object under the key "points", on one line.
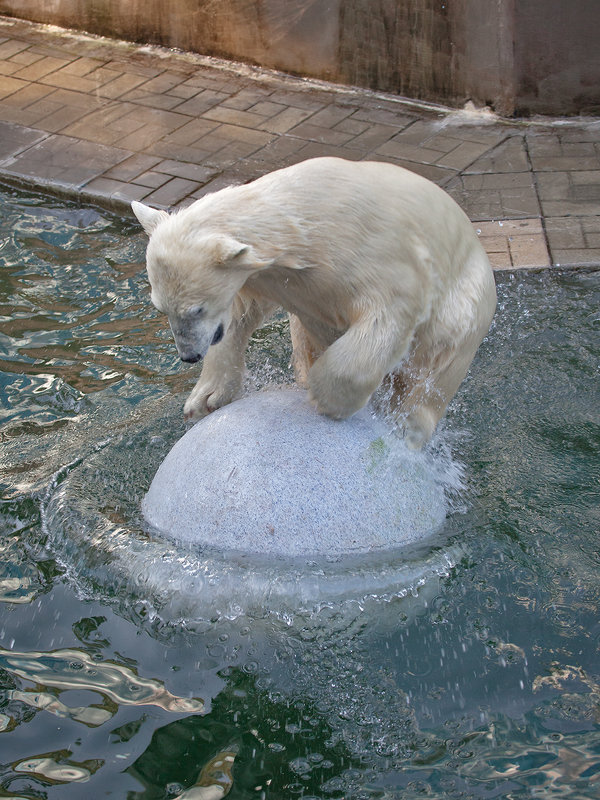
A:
{"points": [[535, 56], [557, 58]]}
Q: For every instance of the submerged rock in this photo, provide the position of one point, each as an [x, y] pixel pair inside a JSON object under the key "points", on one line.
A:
{"points": [[267, 474]]}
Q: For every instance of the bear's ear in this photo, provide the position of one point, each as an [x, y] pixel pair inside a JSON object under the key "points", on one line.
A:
{"points": [[148, 217], [231, 253]]}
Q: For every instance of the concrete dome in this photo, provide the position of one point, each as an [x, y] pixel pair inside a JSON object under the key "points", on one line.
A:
{"points": [[267, 474]]}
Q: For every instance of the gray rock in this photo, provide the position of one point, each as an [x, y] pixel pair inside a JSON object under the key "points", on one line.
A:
{"points": [[267, 474]]}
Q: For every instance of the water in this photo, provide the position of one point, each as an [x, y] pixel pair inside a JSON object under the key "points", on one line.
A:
{"points": [[466, 668]]}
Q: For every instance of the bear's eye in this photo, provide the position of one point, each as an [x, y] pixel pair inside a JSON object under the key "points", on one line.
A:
{"points": [[196, 311]]}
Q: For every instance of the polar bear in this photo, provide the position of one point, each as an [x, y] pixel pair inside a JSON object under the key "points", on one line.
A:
{"points": [[380, 270]]}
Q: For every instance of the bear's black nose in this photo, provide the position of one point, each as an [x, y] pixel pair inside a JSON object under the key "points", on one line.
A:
{"points": [[191, 359], [218, 334]]}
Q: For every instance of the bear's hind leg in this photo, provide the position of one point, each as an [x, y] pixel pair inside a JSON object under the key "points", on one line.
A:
{"points": [[305, 352], [423, 390]]}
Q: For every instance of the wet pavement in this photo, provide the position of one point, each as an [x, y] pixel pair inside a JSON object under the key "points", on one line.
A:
{"points": [[108, 122]]}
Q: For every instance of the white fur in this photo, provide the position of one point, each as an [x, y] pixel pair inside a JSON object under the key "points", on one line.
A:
{"points": [[379, 268]]}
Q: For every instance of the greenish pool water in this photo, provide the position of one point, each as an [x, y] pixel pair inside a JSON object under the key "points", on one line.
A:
{"points": [[469, 668]]}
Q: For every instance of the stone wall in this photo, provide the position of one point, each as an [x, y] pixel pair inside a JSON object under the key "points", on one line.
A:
{"points": [[533, 56]]}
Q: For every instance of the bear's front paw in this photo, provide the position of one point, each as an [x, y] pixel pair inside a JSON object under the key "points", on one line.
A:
{"points": [[337, 399], [207, 397]]}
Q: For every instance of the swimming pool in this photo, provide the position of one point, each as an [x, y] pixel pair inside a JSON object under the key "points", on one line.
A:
{"points": [[124, 669]]}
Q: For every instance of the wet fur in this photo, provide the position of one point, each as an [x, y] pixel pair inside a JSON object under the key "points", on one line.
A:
{"points": [[380, 270]]}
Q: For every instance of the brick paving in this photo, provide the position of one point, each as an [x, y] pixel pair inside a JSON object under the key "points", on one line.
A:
{"points": [[107, 122]]}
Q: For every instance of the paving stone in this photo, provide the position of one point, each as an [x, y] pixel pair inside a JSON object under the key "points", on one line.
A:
{"points": [[544, 145], [220, 182], [130, 168], [166, 120], [280, 152], [315, 150], [192, 131], [9, 85], [166, 148], [62, 80], [315, 133], [8, 67], [588, 131], [248, 98], [67, 97], [15, 138], [577, 258], [134, 67], [230, 154], [51, 52], [233, 116], [480, 206], [106, 125], [18, 116], [266, 109], [414, 131], [514, 244], [331, 115], [488, 134], [11, 47], [498, 251], [509, 156], [591, 230], [165, 102], [201, 103], [570, 187], [574, 240], [41, 68], [353, 126], [496, 196], [398, 149], [179, 169], [83, 66], [299, 99], [565, 233], [183, 92], [116, 195], [59, 119], [152, 179], [162, 83], [502, 180], [398, 119], [30, 93], [563, 163], [64, 160], [172, 192], [529, 251], [285, 120], [454, 151], [372, 138], [234, 133], [120, 85], [575, 207], [439, 175], [462, 156], [440, 141], [144, 137], [24, 58]]}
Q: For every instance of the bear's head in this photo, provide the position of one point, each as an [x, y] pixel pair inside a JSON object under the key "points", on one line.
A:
{"points": [[194, 275]]}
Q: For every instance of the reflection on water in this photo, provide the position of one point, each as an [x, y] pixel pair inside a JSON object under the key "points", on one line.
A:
{"points": [[468, 669], [215, 780], [89, 715], [54, 771], [73, 669]]}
